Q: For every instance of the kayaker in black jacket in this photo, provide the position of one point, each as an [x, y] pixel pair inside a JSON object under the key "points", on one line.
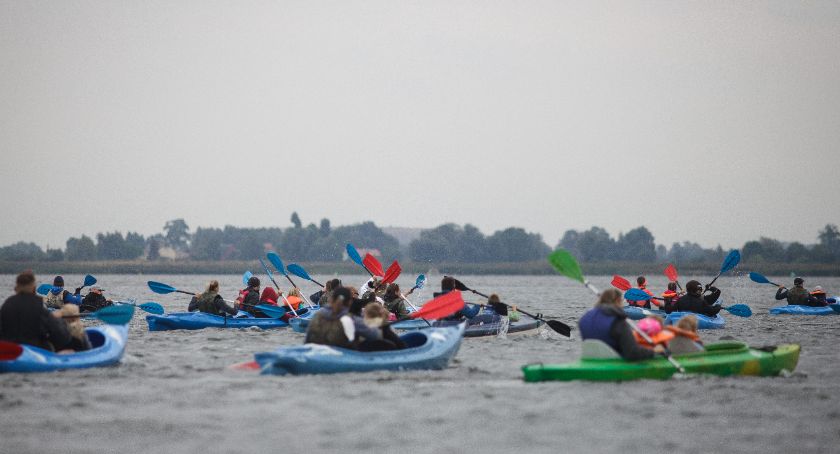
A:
{"points": [[375, 315], [607, 322], [797, 295], [94, 300], [694, 301], [25, 320], [249, 297], [210, 301], [335, 326], [819, 295]]}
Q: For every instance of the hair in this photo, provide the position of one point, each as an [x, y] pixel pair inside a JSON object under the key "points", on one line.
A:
{"points": [[375, 310], [688, 323], [694, 287], [641, 281], [332, 284], [672, 286], [392, 292], [354, 292], [610, 296], [340, 299], [25, 282], [294, 291], [213, 286], [74, 325], [493, 299], [447, 283]]}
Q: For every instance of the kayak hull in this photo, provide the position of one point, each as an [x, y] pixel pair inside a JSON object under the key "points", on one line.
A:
{"points": [[201, 320], [478, 326], [722, 359], [793, 309], [108, 343], [428, 349], [638, 313], [703, 321]]}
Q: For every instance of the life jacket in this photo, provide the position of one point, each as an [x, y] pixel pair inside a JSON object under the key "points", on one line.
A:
{"points": [[661, 337], [54, 301], [596, 324], [797, 295], [248, 298], [684, 333], [325, 329], [294, 301], [207, 303]]}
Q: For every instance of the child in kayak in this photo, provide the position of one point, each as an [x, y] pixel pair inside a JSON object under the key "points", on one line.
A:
{"points": [[686, 339], [608, 323], [641, 281], [78, 338], [669, 298], [819, 295]]}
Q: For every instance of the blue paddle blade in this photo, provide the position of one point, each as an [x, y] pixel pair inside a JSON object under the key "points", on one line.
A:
{"points": [[298, 271], [160, 288], [43, 289], [276, 262], [755, 277], [731, 261], [89, 280], [271, 311], [354, 254], [636, 294], [741, 310], [115, 315], [246, 277], [420, 282], [152, 308]]}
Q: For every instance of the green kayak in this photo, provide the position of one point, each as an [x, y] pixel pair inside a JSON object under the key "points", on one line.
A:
{"points": [[723, 358]]}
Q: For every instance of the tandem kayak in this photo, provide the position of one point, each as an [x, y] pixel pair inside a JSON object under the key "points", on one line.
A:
{"points": [[201, 320], [108, 342], [703, 321], [427, 349], [795, 309], [723, 359]]}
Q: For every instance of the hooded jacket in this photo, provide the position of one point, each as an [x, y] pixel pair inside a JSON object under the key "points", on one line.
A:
{"points": [[609, 324]]}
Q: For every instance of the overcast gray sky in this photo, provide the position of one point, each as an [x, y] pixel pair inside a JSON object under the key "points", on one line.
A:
{"points": [[714, 122]]}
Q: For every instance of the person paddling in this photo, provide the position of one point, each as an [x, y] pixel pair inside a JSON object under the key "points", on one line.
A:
{"points": [[394, 301], [58, 296], [249, 298], [607, 322], [94, 300], [798, 295], [25, 320], [694, 301], [641, 282], [447, 284], [335, 326], [210, 302]]}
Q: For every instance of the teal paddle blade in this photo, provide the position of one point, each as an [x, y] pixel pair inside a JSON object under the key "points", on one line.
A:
{"points": [[89, 280], [246, 276], [276, 262], [835, 307], [43, 289], [354, 254], [152, 308], [298, 271], [115, 315], [636, 294], [755, 277], [731, 261], [420, 282], [740, 310], [160, 288]]}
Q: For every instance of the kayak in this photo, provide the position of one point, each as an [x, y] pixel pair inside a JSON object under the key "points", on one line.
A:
{"points": [[638, 313], [201, 320], [723, 359], [108, 342], [427, 349], [301, 324], [478, 326], [794, 309], [703, 321]]}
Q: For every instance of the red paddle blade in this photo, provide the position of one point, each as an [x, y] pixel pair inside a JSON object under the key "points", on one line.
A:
{"points": [[392, 273], [671, 273], [9, 351], [373, 265], [621, 283], [440, 307], [247, 365]]}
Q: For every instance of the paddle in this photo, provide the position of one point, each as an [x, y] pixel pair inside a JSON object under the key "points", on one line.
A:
{"points": [[635, 294], [355, 257], [440, 307], [150, 307], [392, 273], [666, 353], [419, 283], [278, 264], [164, 289], [373, 265], [731, 261], [558, 326], [112, 315], [565, 264], [246, 276], [300, 272], [621, 283], [761, 279], [671, 274], [271, 276], [43, 289]]}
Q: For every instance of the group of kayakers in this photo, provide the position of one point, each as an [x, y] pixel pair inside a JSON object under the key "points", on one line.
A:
{"points": [[692, 300], [798, 295]]}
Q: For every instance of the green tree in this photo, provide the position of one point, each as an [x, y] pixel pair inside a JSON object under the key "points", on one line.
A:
{"points": [[514, 244], [80, 249], [22, 252], [207, 244], [296, 220], [637, 245], [177, 234], [325, 227], [54, 255]]}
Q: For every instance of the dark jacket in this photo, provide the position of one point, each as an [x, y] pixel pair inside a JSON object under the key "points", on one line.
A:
{"points": [[609, 324], [699, 304], [25, 320], [211, 303], [79, 345], [93, 302], [797, 296], [396, 306]]}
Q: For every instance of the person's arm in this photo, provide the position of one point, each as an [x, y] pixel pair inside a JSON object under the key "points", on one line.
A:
{"points": [[781, 293], [193, 305], [627, 345], [316, 297], [712, 297], [223, 306]]}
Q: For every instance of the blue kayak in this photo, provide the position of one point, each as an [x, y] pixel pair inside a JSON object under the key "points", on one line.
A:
{"points": [[638, 313], [487, 324], [301, 324], [427, 349], [703, 321], [108, 342], [201, 320], [794, 309]]}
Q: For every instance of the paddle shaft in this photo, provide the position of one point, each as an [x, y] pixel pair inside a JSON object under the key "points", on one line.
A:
{"points": [[413, 307], [536, 317]]}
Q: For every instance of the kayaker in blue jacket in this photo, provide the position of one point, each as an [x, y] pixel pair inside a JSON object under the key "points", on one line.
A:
{"points": [[58, 296], [335, 325], [798, 295], [25, 320], [210, 301], [607, 322]]}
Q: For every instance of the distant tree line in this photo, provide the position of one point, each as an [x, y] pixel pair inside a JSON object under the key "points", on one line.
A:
{"points": [[447, 243]]}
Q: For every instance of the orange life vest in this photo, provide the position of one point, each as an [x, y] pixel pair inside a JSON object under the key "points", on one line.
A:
{"points": [[661, 337], [684, 333]]}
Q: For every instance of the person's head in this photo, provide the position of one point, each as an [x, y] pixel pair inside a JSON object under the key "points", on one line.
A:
{"points": [[354, 292], [641, 282], [294, 292], [799, 282], [650, 326], [818, 290], [213, 287], [340, 299], [694, 288], [269, 295], [332, 284], [392, 292], [58, 281], [610, 297], [70, 314], [672, 286], [688, 323], [25, 282], [375, 314], [494, 299], [97, 289], [447, 283], [380, 286], [254, 282]]}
